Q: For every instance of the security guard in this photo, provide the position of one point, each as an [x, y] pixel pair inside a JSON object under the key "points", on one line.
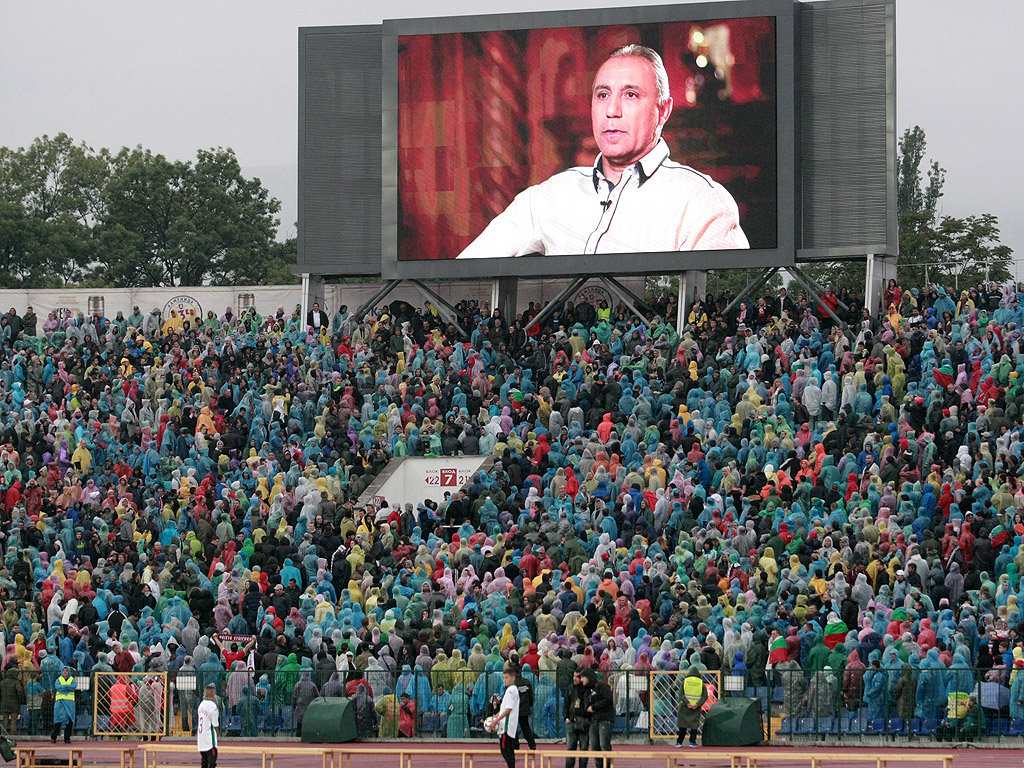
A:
{"points": [[690, 717], [64, 705]]}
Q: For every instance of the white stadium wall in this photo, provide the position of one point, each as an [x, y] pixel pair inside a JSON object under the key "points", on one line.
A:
{"points": [[412, 480], [267, 298]]}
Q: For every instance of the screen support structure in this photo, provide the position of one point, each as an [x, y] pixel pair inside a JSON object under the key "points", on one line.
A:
{"points": [[692, 284], [622, 293], [312, 291], [879, 270], [505, 296], [814, 284], [447, 312], [753, 285], [557, 300], [631, 301], [799, 276]]}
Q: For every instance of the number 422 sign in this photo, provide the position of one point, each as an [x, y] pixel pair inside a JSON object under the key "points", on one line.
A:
{"points": [[447, 477]]}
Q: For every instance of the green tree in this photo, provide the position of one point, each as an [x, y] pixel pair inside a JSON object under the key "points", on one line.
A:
{"points": [[719, 281], [913, 194], [281, 265], [70, 215], [51, 196], [945, 250], [177, 223], [145, 210]]}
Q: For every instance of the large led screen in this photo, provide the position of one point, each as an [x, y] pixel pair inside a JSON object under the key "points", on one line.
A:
{"points": [[568, 141]]}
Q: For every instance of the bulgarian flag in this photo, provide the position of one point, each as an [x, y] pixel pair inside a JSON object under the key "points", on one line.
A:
{"points": [[835, 633], [778, 652], [943, 375]]}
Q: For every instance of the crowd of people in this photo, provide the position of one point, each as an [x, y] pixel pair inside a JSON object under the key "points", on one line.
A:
{"points": [[799, 492]]}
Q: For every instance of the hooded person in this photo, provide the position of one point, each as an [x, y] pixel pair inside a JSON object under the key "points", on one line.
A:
{"points": [[692, 694], [302, 696], [387, 709], [822, 694], [794, 687], [905, 691], [64, 705]]}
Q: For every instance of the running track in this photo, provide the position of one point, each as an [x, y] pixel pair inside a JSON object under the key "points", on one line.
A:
{"points": [[965, 757]]}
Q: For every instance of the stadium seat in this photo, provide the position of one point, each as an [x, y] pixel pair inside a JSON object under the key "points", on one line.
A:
{"points": [[876, 726], [996, 726], [431, 722], [786, 726], [804, 726], [827, 726], [922, 727], [620, 724], [897, 726], [851, 725], [1015, 727], [778, 694]]}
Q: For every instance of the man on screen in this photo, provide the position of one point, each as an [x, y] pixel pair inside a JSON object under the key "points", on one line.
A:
{"points": [[634, 199]]}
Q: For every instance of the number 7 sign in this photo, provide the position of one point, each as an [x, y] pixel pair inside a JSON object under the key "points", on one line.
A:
{"points": [[449, 477]]}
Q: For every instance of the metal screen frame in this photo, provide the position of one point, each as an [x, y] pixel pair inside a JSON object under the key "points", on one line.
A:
{"points": [[782, 254]]}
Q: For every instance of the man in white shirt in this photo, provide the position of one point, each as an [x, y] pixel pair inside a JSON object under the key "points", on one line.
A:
{"points": [[634, 199], [507, 719], [208, 727]]}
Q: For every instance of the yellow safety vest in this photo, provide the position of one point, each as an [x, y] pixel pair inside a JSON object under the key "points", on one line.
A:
{"points": [[693, 687], [65, 695]]}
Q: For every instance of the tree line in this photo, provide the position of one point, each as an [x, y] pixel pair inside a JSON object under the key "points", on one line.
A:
{"points": [[944, 250], [71, 216]]}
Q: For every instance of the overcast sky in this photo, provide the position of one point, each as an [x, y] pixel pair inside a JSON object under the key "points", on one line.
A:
{"points": [[178, 76]]}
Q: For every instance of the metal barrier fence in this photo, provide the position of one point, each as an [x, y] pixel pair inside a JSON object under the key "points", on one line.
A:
{"points": [[666, 696], [797, 706], [929, 704], [129, 704]]}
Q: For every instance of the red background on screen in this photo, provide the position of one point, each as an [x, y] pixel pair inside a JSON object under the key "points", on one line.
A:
{"points": [[483, 115]]}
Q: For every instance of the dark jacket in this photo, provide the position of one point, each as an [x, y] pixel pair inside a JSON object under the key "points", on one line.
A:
{"points": [[601, 701], [525, 696], [690, 718], [577, 699], [850, 612]]}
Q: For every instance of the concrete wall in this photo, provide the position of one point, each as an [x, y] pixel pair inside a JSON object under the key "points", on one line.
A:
{"points": [[413, 480], [268, 298]]}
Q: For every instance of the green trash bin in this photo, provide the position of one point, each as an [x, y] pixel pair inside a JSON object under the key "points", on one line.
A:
{"points": [[330, 720], [733, 722]]}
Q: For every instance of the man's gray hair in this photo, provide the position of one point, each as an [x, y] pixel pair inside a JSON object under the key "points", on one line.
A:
{"points": [[651, 57]]}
